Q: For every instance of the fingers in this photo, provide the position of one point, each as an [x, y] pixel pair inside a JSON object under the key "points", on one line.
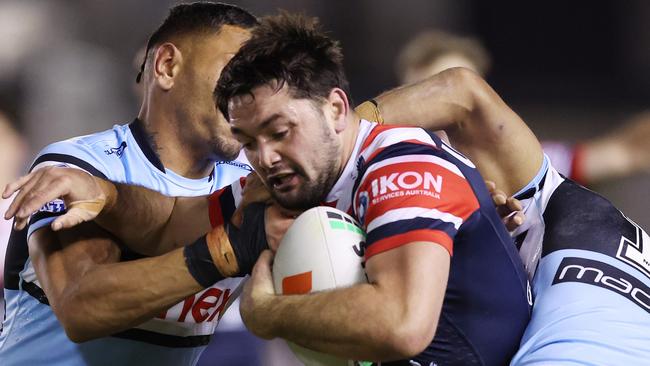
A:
{"points": [[514, 220], [24, 184], [264, 263], [76, 214], [33, 197], [14, 186]]}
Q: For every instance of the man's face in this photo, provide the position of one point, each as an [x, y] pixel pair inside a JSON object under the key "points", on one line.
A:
{"points": [[290, 142], [205, 56]]}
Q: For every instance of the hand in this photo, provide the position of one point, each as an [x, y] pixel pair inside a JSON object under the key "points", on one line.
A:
{"points": [[277, 221], [508, 208], [254, 191], [257, 297], [84, 196]]}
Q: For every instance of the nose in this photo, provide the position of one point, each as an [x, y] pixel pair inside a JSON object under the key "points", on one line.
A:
{"points": [[267, 155]]}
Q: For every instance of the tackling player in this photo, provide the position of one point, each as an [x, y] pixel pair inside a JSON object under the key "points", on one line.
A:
{"points": [[83, 285]]}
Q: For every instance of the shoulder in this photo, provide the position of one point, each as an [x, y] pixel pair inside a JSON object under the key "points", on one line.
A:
{"points": [[91, 153], [578, 218]]}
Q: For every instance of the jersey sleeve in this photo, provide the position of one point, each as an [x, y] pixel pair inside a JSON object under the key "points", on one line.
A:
{"points": [[223, 202], [71, 154], [408, 193]]}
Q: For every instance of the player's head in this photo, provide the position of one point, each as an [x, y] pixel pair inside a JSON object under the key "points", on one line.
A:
{"points": [[182, 63], [433, 51], [285, 94]]}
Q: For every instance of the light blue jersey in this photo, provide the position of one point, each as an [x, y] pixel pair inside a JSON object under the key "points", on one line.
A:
{"points": [[591, 279], [32, 335]]}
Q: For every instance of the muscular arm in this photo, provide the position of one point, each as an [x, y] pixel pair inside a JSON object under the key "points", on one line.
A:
{"points": [[477, 121], [398, 308], [94, 295], [146, 221], [151, 223]]}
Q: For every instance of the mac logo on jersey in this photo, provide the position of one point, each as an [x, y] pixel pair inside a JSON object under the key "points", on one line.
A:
{"points": [[605, 276], [405, 181]]}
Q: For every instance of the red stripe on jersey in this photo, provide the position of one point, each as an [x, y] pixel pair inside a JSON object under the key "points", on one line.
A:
{"points": [[455, 197], [373, 135], [214, 208], [427, 235]]}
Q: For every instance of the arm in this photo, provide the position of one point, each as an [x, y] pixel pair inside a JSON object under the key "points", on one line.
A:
{"points": [[94, 295], [399, 306], [147, 221], [477, 121]]}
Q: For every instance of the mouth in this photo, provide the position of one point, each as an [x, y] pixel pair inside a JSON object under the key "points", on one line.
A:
{"points": [[283, 182]]}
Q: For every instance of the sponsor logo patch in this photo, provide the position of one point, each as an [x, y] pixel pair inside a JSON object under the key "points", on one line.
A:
{"points": [[603, 275], [236, 163], [409, 183]]}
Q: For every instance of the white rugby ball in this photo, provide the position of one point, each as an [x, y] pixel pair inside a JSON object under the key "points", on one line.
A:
{"points": [[322, 250]]}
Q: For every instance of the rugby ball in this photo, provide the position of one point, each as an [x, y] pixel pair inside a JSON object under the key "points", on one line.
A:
{"points": [[322, 250]]}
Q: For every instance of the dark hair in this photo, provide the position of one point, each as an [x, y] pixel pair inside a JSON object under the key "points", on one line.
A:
{"points": [[287, 48], [203, 17]]}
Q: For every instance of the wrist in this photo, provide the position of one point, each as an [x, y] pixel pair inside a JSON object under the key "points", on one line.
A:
{"points": [[210, 258], [109, 192]]}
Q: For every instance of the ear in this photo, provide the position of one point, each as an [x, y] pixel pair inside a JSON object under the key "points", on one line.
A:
{"points": [[339, 107], [167, 64]]}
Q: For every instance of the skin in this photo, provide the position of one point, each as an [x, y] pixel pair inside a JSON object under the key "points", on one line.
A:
{"points": [[73, 265]]}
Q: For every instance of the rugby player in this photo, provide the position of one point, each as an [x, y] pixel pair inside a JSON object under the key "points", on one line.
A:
{"points": [[82, 285], [418, 199]]}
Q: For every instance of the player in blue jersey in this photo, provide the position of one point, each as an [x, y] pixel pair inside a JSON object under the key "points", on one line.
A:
{"points": [[83, 285]]}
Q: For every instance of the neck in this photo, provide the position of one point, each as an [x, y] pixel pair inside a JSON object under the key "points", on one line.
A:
{"points": [[349, 139], [175, 151]]}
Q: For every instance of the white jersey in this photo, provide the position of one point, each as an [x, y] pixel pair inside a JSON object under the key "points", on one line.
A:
{"points": [[31, 333]]}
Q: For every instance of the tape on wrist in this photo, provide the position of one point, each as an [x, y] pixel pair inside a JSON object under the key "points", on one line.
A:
{"points": [[369, 110]]}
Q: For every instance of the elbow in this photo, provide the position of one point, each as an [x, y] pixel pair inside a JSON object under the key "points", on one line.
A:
{"points": [[76, 331], [411, 337], [78, 326], [467, 83]]}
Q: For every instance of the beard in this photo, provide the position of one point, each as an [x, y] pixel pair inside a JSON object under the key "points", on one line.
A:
{"points": [[313, 192]]}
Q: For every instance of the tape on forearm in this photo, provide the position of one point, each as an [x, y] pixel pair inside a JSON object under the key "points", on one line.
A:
{"points": [[228, 251], [369, 111], [249, 241]]}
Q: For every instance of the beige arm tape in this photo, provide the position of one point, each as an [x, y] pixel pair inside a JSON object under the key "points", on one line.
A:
{"points": [[369, 111]]}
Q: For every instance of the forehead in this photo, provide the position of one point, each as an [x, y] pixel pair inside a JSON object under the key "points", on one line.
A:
{"points": [[263, 102], [263, 99]]}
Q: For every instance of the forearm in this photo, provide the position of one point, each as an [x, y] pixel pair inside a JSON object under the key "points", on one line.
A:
{"points": [[322, 321], [93, 294], [115, 297], [149, 222], [437, 103], [478, 122]]}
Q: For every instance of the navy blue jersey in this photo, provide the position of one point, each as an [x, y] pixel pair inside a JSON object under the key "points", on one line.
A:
{"points": [[404, 185]]}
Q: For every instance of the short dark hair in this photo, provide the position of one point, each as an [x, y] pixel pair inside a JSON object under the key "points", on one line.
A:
{"points": [[206, 17], [287, 48]]}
